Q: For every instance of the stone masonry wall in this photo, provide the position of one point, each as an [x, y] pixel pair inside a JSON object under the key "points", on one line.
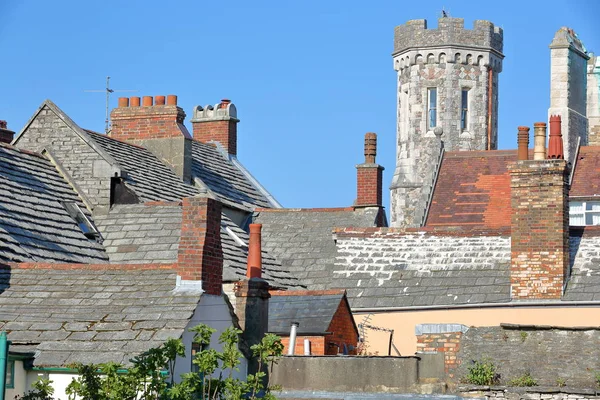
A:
{"points": [[533, 393], [593, 100], [87, 168], [550, 355]]}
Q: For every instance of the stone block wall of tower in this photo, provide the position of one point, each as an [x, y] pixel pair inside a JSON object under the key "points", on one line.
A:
{"points": [[449, 60], [593, 100]]}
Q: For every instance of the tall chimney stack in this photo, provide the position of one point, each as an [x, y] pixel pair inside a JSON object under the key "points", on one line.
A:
{"points": [[369, 176], [217, 124], [156, 127]]}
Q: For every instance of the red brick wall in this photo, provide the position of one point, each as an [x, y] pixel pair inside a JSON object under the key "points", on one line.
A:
{"points": [[317, 345], [369, 185], [539, 229], [200, 255], [343, 331], [224, 132], [447, 343], [147, 122]]}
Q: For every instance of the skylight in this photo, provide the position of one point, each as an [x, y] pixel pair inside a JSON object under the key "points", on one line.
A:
{"points": [[86, 226]]}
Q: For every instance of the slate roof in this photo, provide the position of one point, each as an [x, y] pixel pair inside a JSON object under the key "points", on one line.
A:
{"points": [[92, 315], [34, 225], [302, 239], [313, 311], [152, 180], [138, 233], [473, 187]]}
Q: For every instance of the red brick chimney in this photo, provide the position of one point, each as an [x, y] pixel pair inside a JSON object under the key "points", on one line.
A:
{"points": [[217, 124], [539, 228], [6, 135], [369, 176], [158, 126], [200, 255], [254, 269]]}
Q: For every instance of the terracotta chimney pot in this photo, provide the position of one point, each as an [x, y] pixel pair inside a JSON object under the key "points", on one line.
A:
{"points": [[147, 101], [523, 143], [159, 100], [172, 100], [555, 143], [254, 269], [134, 101], [123, 102], [539, 141]]}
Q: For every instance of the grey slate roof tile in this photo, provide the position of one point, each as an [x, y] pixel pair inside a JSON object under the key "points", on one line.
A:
{"points": [[313, 312], [34, 226], [64, 329]]}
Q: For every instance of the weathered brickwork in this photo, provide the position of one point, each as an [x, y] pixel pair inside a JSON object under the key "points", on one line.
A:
{"points": [[317, 345], [568, 65], [200, 255], [447, 343], [450, 59], [54, 132], [531, 393], [369, 185], [344, 333], [218, 124], [547, 353], [540, 229]]}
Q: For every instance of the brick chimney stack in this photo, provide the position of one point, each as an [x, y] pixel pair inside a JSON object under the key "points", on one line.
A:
{"points": [[369, 176], [158, 126], [539, 227], [200, 254], [6, 135], [217, 124]]}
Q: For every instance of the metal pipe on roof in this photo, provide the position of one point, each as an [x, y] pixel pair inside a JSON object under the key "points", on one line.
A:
{"points": [[306, 347], [293, 332]]}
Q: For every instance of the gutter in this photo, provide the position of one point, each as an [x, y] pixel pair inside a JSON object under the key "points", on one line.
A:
{"points": [[570, 304], [4, 344]]}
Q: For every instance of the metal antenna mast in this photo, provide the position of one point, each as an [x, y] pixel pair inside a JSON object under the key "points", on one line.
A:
{"points": [[108, 91]]}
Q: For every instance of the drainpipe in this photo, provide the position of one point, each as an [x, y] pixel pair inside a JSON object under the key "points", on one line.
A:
{"points": [[306, 347], [4, 343], [490, 102], [292, 346]]}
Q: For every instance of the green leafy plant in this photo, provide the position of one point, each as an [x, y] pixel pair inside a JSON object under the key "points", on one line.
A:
{"points": [[152, 375], [523, 336], [560, 382], [482, 372], [597, 377], [524, 380]]}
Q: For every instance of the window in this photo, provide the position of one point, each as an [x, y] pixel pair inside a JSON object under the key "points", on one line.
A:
{"points": [[431, 108], [464, 110], [584, 213], [86, 226], [10, 374]]}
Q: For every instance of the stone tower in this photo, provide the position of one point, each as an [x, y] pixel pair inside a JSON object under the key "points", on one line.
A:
{"points": [[593, 100], [447, 99], [568, 88]]}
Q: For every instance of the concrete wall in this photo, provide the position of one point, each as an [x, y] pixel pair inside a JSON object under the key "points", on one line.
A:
{"points": [[404, 323], [347, 374]]}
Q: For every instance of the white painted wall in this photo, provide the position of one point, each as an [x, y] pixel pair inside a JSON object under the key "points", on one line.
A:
{"points": [[20, 380]]}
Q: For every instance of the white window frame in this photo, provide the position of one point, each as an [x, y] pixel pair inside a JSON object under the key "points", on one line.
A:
{"points": [[586, 213], [434, 109]]}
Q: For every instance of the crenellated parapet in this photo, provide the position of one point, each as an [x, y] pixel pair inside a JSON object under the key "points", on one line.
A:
{"points": [[450, 42]]}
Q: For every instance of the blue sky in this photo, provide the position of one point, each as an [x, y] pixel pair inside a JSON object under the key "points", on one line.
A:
{"points": [[309, 78]]}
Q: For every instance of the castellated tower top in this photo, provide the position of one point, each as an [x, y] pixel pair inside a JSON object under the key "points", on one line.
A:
{"points": [[450, 32]]}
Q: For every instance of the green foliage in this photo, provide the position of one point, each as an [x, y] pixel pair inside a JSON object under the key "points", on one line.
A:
{"points": [[482, 372], [152, 375], [597, 376], [560, 382], [523, 336], [524, 380]]}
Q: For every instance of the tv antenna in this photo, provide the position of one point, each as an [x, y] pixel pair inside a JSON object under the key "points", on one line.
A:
{"points": [[108, 91]]}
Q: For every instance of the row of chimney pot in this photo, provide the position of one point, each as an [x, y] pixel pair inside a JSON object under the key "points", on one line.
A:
{"points": [[148, 101], [555, 143]]}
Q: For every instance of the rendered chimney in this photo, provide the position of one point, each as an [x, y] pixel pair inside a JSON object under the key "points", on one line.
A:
{"points": [[200, 254], [217, 124], [523, 143], [555, 143], [6, 135], [254, 269], [369, 176], [539, 141], [539, 228], [157, 127]]}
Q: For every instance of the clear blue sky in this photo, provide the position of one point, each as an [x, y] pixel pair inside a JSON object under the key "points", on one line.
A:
{"points": [[309, 77]]}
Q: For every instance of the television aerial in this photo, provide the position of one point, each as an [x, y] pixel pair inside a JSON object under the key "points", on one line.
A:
{"points": [[108, 91]]}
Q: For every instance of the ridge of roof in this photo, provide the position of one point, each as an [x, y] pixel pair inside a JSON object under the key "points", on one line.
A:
{"points": [[76, 128], [326, 292], [282, 210]]}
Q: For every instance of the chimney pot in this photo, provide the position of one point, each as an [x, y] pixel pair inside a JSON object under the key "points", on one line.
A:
{"points": [[370, 147], [6, 135], [123, 102], [254, 269], [523, 143], [172, 100], [134, 101], [147, 101], [3, 125], [160, 100], [539, 141], [555, 143]]}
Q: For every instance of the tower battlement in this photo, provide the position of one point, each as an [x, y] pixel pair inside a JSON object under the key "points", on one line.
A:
{"points": [[450, 32]]}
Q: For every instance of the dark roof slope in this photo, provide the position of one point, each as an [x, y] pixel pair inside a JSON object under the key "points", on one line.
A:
{"points": [[152, 180], [92, 316], [139, 233], [312, 310], [302, 239], [34, 225], [586, 178]]}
